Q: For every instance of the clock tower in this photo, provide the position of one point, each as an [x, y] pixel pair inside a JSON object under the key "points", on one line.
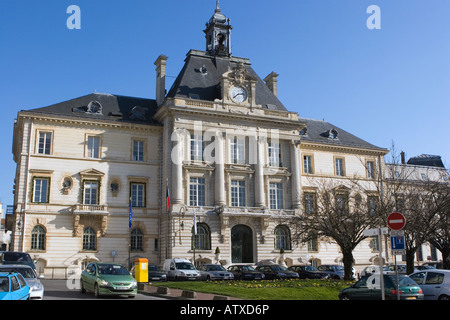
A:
{"points": [[218, 34]]}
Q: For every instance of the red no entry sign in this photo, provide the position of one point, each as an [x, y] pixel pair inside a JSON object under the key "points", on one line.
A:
{"points": [[396, 221]]}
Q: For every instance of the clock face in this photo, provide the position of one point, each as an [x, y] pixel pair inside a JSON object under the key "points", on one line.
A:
{"points": [[238, 94]]}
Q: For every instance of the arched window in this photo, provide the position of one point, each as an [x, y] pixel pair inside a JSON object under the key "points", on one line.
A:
{"points": [[38, 238], [282, 238], [202, 240], [136, 240], [89, 239]]}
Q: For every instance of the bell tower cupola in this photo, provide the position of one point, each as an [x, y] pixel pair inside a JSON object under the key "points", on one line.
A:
{"points": [[218, 34]]}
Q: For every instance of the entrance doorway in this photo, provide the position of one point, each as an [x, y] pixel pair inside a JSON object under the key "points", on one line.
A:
{"points": [[241, 244]]}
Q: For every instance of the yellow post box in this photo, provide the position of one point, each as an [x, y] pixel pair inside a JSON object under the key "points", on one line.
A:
{"points": [[141, 270]]}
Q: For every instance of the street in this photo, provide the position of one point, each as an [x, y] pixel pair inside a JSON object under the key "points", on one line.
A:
{"points": [[59, 290]]}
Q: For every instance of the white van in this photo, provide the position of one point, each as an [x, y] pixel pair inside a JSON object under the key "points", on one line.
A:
{"points": [[180, 269]]}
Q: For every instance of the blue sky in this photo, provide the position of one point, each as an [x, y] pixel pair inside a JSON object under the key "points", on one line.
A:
{"points": [[387, 85]]}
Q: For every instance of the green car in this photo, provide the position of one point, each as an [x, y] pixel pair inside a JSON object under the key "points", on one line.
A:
{"points": [[369, 288], [103, 278]]}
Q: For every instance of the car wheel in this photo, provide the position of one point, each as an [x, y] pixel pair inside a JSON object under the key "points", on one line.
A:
{"points": [[444, 297], [96, 291], [345, 297], [83, 290], [132, 296], [208, 278]]}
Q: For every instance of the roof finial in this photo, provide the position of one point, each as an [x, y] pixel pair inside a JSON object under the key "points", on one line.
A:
{"points": [[218, 6]]}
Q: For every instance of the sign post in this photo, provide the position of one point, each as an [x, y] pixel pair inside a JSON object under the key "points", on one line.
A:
{"points": [[396, 222], [378, 232]]}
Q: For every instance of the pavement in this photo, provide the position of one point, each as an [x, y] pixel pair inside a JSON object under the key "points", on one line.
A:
{"points": [[177, 294]]}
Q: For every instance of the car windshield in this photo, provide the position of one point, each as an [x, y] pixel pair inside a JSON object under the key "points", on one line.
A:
{"points": [[215, 268], [153, 268], [16, 257], [404, 281], [185, 266], [25, 272], [309, 268], [278, 268], [4, 284], [247, 268], [112, 269]]}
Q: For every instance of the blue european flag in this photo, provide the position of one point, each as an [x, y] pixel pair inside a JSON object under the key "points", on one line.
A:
{"points": [[130, 221]]}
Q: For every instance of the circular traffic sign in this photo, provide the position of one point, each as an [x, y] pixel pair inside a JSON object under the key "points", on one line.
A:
{"points": [[396, 221]]}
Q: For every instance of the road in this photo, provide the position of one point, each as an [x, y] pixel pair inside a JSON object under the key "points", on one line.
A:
{"points": [[64, 290]]}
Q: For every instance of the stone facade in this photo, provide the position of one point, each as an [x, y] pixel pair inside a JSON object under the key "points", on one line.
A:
{"points": [[230, 155]]}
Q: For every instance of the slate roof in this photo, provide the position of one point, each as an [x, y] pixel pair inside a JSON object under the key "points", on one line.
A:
{"points": [[200, 78], [319, 131], [113, 108], [427, 160]]}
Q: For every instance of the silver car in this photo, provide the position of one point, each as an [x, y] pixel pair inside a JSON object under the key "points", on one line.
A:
{"points": [[36, 287], [214, 272], [435, 283]]}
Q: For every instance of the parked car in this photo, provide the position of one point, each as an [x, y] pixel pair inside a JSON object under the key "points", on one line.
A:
{"points": [[435, 283], [36, 287], [13, 287], [369, 270], [308, 272], [275, 271], [154, 273], [333, 271], [244, 272], [369, 288], [424, 267], [180, 269], [103, 278], [13, 257], [214, 272]]}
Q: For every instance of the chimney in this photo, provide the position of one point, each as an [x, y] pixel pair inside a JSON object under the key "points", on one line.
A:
{"points": [[402, 155], [160, 64], [271, 82]]}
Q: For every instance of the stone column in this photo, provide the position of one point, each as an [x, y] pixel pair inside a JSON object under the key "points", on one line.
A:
{"points": [[219, 170], [177, 167], [296, 175], [259, 173]]}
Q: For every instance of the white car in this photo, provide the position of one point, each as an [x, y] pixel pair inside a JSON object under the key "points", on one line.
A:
{"points": [[180, 269], [435, 283], [36, 287]]}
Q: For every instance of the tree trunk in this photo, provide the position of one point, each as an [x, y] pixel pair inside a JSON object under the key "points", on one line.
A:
{"points": [[347, 257], [410, 260]]}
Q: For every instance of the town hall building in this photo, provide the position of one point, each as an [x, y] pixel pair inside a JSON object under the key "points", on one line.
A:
{"points": [[211, 170]]}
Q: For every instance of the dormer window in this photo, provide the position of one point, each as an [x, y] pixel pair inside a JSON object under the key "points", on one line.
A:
{"points": [[333, 134], [94, 107]]}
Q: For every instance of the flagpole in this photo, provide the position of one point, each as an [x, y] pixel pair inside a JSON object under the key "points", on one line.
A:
{"points": [[195, 234], [168, 216], [130, 224]]}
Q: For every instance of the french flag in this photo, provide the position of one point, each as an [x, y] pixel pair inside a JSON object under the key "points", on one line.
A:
{"points": [[167, 196]]}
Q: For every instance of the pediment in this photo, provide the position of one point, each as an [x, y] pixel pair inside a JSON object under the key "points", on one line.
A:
{"points": [[91, 173]]}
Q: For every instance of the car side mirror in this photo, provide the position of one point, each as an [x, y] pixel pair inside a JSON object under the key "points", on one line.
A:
{"points": [[41, 276]]}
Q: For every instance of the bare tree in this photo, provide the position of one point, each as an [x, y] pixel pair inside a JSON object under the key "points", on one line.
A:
{"points": [[338, 210], [417, 193]]}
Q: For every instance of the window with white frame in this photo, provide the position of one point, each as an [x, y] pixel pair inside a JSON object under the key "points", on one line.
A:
{"points": [[38, 238], [310, 202], [274, 154], [197, 192], [89, 239], [307, 164], [137, 194], [197, 147], [45, 143], [282, 238], [276, 196], [370, 166], [238, 150], [138, 150], [238, 193], [339, 167], [41, 190], [90, 194], [93, 147]]}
